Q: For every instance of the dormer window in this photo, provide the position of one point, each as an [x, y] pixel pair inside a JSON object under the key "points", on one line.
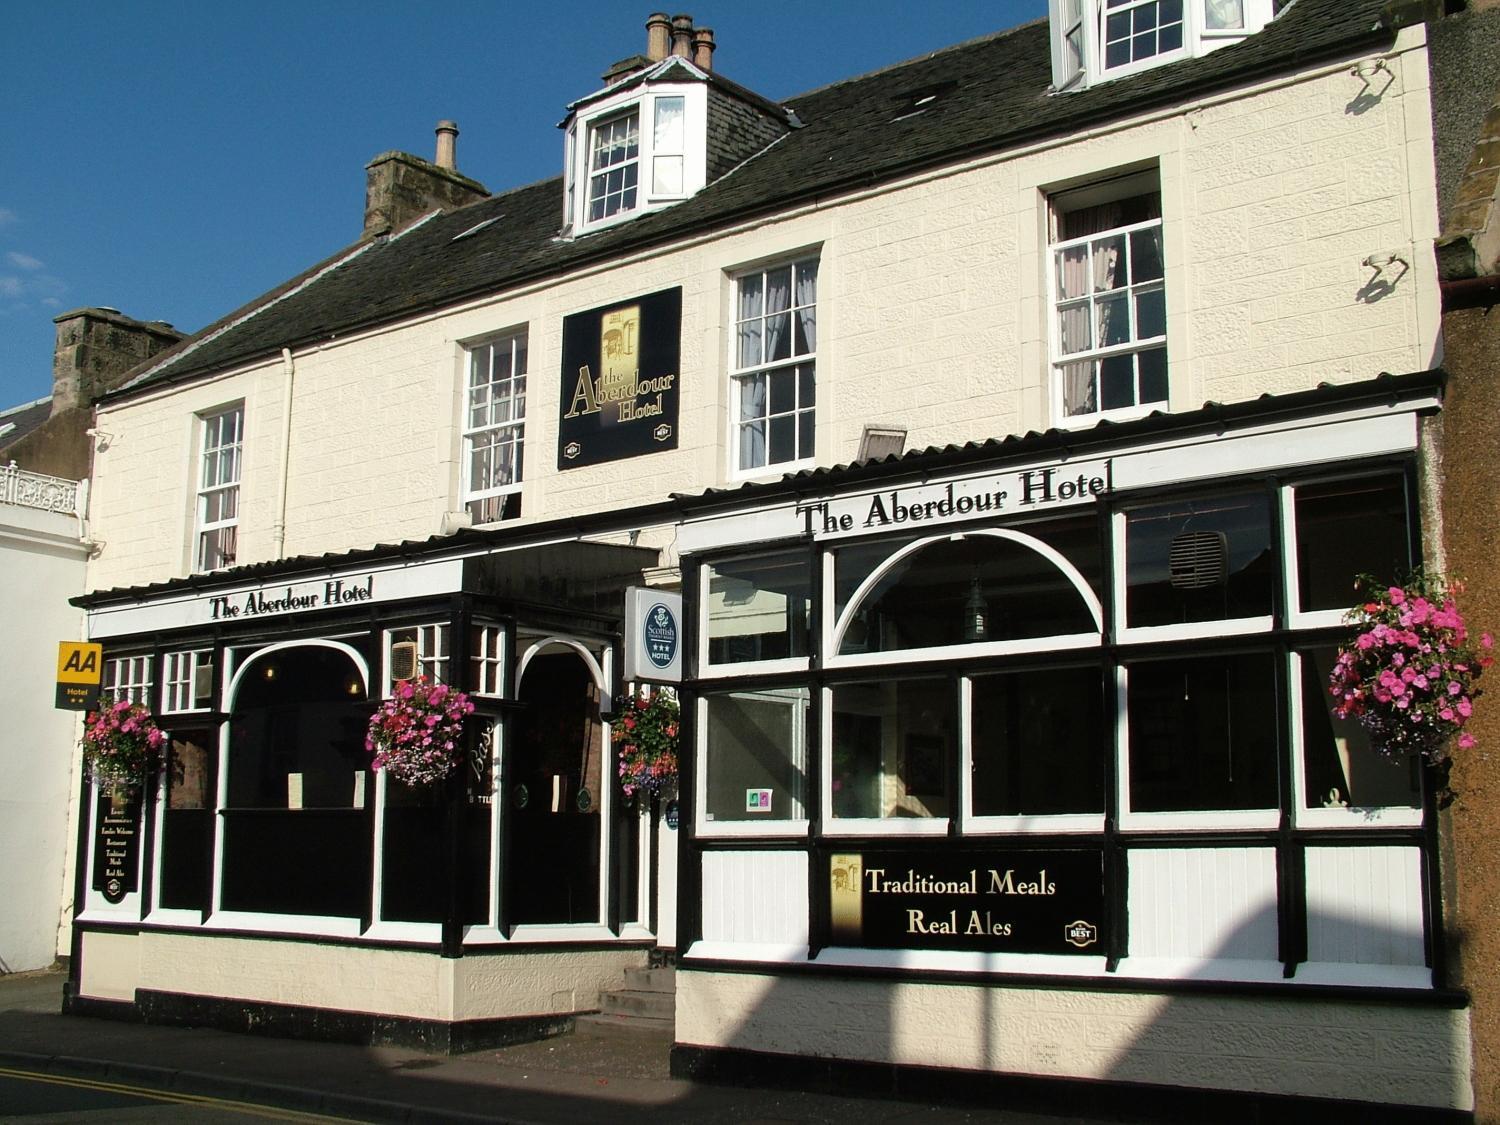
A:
{"points": [[639, 148], [1097, 40], [614, 165]]}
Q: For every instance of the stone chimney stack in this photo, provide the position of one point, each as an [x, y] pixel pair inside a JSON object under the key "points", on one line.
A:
{"points": [[682, 36], [658, 36], [95, 348], [703, 48], [447, 145], [401, 188]]}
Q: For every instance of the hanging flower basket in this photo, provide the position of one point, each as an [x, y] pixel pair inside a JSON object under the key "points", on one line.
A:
{"points": [[645, 735], [417, 734], [1408, 675], [121, 743]]}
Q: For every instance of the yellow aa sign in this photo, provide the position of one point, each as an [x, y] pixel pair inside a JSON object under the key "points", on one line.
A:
{"points": [[79, 663], [80, 666]]}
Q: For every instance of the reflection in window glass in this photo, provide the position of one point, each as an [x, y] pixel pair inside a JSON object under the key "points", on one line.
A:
{"points": [[1203, 733], [1207, 558], [758, 608], [187, 821], [1039, 742], [980, 588], [1223, 15], [893, 747], [1342, 769], [756, 760], [1347, 528]]}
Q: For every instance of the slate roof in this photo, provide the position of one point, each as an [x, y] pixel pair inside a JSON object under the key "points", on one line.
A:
{"points": [[18, 421], [997, 97]]}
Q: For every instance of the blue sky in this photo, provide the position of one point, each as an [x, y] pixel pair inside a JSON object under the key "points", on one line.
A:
{"points": [[173, 160]]}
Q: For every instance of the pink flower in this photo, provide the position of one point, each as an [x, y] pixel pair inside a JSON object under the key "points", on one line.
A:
{"points": [[1397, 595]]}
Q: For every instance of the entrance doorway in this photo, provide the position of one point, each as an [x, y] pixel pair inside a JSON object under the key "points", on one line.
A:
{"points": [[556, 775]]}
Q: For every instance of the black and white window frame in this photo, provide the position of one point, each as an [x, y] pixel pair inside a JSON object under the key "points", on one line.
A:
{"points": [[1317, 885]]}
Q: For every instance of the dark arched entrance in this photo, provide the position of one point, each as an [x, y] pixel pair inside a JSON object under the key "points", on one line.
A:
{"points": [[556, 771], [296, 832]]}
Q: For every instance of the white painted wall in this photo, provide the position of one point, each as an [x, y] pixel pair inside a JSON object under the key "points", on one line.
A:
{"points": [[1396, 1054], [41, 567], [400, 982], [932, 315]]}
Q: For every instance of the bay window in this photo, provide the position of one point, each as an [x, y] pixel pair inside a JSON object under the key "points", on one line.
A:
{"points": [[1145, 680]]}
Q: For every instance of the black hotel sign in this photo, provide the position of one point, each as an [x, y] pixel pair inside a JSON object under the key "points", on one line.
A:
{"points": [[117, 837], [1010, 901], [620, 380]]}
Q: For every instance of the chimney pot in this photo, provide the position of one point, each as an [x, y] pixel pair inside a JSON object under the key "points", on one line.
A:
{"points": [[703, 48], [658, 36], [447, 145], [682, 36]]}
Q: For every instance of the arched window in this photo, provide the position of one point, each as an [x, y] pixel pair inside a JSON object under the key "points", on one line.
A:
{"points": [[297, 838], [990, 586]]}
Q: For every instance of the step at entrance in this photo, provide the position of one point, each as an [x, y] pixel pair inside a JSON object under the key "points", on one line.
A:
{"points": [[646, 1002]]}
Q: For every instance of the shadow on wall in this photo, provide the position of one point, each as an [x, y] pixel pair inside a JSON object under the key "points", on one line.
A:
{"points": [[1223, 1020]]}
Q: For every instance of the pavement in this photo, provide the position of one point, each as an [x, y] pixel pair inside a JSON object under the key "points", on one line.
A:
{"points": [[607, 1076]]}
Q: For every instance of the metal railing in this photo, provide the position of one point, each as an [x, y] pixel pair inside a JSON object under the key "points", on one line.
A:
{"points": [[37, 490]]}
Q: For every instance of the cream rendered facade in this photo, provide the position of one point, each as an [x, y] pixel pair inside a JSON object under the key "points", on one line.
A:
{"points": [[1298, 215], [933, 316]]}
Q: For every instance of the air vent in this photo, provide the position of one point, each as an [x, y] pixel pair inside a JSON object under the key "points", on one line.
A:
{"points": [[1199, 559], [403, 660]]}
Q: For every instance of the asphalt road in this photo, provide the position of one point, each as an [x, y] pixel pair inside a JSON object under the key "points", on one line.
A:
{"points": [[34, 1097]]}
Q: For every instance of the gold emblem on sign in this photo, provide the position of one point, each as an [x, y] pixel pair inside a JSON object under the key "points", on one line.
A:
{"points": [[619, 345], [845, 910]]}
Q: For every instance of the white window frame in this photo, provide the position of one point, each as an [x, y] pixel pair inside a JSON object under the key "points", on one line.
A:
{"points": [[488, 659], [1085, 22], [213, 480], [739, 422], [871, 825], [1305, 815], [1188, 631], [708, 669], [971, 823], [642, 101], [179, 680], [779, 825], [1129, 187], [621, 130], [129, 677], [434, 647], [509, 432], [834, 630]]}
